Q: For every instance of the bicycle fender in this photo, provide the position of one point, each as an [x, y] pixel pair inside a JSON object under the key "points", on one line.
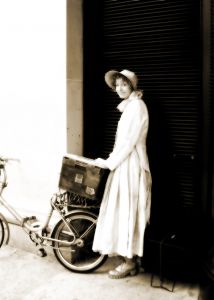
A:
{"points": [[77, 211]]}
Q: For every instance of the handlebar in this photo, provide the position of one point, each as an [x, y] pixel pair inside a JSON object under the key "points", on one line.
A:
{"points": [[4, 160], [3, 173]]}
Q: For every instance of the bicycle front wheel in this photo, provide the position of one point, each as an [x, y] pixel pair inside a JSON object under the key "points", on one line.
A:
{"points": [[77, 257], [1, 233], [4, 231]]}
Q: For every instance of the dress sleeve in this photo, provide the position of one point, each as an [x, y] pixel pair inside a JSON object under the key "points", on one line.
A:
{"points": [[135, 116]]}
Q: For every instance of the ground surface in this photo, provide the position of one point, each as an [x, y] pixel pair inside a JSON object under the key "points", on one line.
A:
{"points": [[26, 276]]}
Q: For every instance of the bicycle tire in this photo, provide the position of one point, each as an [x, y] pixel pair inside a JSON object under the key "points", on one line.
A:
{"points": [[1, 233], [4, 238], [79, 259]]}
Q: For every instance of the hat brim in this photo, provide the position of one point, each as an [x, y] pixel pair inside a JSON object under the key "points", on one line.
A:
{"points": [[109, 78]]}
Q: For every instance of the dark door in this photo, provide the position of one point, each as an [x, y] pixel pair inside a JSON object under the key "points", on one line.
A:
{"points": [[162, 41]]}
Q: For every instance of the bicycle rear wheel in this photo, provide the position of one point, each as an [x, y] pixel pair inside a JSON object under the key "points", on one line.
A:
{"points": [[79, 257]]}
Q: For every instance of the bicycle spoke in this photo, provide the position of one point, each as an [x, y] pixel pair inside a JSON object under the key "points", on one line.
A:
{"points": [[79, 257]]}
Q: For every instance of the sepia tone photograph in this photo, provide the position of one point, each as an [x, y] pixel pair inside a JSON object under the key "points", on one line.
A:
{"points": [[106, 149]]}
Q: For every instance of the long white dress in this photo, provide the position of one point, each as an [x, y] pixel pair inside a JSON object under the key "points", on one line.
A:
{"points": [[125, 207]]}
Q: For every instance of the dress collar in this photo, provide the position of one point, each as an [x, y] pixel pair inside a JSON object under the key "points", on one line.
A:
{"points": [[134, 95]]}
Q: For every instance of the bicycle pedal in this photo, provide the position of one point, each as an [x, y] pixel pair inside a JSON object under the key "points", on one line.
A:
{"points": [[41, 252]]}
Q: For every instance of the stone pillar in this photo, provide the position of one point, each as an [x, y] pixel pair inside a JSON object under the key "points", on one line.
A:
{"points": [[74, 77]]}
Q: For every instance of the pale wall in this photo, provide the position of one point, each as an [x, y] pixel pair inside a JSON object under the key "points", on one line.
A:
{"points": [[33, 98]]}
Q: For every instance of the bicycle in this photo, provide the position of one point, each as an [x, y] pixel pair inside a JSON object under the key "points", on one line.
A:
{"points": [[71, 237]]}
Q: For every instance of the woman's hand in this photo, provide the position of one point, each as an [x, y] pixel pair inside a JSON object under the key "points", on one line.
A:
{"points": [[101, 163]]}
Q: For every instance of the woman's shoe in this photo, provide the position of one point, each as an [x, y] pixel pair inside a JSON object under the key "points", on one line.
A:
{"points": [[123, 270]]}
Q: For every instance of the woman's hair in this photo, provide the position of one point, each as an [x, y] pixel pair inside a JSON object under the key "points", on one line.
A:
{"points": [[124, 78]]}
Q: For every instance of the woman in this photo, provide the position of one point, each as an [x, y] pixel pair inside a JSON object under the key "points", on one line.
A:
{"points": [[125, 207]]}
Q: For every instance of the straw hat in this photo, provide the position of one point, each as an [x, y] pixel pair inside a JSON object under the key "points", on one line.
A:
{"points": [[131, 76]]}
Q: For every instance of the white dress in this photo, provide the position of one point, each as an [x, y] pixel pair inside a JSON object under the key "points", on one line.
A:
{"points": [[125, 207]]}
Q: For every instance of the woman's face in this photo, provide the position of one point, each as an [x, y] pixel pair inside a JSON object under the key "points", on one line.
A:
{"points": [[122, 88]]}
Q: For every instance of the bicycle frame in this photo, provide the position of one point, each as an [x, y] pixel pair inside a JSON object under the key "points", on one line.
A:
{"points": [[70, 237], [37, 232]]}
